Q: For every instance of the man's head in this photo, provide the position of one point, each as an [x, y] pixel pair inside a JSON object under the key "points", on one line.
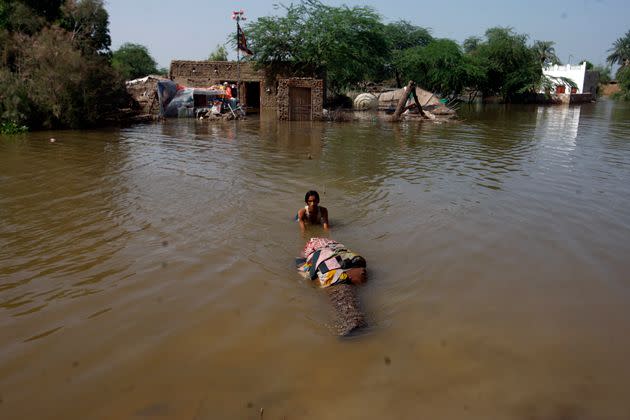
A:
{"points": [[311, 199]]}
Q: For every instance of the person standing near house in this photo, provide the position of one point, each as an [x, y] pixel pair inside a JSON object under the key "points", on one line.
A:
{"points": [[229, 94]]}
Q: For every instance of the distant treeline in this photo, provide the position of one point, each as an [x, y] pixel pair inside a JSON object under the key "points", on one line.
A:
{"points": [[353, 45]]}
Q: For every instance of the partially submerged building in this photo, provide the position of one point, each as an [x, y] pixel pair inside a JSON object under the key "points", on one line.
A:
{"points": [[293, 98], [585, 89]]}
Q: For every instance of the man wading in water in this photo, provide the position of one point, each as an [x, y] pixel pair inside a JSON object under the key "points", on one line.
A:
{"points": [[312, 213]]}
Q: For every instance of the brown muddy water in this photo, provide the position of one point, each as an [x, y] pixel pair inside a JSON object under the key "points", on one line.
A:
{"points": [[148, 272]]}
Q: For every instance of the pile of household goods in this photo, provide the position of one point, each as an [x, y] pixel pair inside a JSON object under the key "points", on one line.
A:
{"points": [[337, 270], [217, 101]]}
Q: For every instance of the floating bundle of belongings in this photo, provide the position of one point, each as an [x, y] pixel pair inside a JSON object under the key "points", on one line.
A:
{"points": [[336, 269], [328, 262], [192, 102]]}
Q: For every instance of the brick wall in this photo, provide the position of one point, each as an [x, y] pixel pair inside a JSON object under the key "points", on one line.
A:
{"points": [[207, 73], [272, 93]]}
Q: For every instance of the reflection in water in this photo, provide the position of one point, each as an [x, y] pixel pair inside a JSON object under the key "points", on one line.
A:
{"points": [[559, 125], [497, 250]]}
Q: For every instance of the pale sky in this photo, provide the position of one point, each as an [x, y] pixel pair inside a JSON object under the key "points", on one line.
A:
{"points": [[191, 29]]}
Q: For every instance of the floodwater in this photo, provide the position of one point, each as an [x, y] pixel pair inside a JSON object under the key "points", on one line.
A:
{"points": [[147, 272]]}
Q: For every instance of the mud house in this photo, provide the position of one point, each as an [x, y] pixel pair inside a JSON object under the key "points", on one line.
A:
{"points": [[293, 98]]}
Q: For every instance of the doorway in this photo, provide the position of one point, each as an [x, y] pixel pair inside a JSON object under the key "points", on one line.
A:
{"points": [[300, 104]]}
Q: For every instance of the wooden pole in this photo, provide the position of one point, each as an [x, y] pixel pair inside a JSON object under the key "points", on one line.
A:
{"points": [[410, 89]]}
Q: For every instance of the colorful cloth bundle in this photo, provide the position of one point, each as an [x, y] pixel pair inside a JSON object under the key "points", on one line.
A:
{"points": [[327, 261]]}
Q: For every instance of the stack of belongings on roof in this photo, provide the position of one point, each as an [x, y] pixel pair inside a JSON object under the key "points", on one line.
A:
{"points": [[336, 269], [193, 102]]}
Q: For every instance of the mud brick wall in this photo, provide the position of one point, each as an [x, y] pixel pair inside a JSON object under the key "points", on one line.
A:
{"points": [[317, 95], [207, 73]]}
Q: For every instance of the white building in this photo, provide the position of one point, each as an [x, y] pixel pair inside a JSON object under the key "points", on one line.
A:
{"points": [[586, 81]]}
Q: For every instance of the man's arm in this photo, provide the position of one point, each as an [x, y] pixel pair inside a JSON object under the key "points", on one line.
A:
{"points": [[325, 223], [301, 219]]}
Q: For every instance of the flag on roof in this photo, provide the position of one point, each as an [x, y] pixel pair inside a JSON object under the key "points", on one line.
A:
{"points": [[242, 42]]}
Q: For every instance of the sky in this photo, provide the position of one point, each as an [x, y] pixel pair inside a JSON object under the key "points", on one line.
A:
{"points": [[192, 29]]}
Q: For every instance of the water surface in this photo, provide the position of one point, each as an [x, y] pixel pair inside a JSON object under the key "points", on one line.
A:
{"points": [[147, 271]]}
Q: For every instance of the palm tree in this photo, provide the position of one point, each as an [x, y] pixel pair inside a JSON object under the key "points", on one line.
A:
{"points": [[620, 52], [545, 52]]}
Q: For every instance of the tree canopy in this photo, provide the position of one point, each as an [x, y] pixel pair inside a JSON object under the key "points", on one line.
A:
{"points": [[219, 54], [348, 41], [510, 67], [620, 51], [133, 61], [55, 68]]}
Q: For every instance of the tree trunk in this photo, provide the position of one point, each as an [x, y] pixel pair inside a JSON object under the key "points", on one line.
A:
{"points": [[400, 108], [349, 317]]}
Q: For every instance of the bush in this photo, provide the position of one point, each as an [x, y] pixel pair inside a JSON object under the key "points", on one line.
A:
{"points": [[12, 127], [65, 87]]}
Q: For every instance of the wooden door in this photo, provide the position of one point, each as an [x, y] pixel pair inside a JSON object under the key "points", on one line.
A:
{"points": [[299, 104]]}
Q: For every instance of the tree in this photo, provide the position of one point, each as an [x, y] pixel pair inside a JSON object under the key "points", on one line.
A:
{"points": [[620, 52], [510, 66], [623, 78], [349, 42], [87, 21], [133, 61], [546, 52], [604, 74], [400, 36], [65, 88], [219, 54], [471, 44], [440, 67]]}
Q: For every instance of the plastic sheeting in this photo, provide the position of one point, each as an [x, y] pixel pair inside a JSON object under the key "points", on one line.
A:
{"points": [[179, 101]]}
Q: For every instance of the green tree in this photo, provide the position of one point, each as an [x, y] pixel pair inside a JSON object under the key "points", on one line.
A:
{"points": [[133, 61], [604, 74], [219, 54], [546, 52], [510, 66], [349, 42], [65, 88], [623, 78], [620, 52], [401, 36], [440, 67], [471, 44], [88, 23]]}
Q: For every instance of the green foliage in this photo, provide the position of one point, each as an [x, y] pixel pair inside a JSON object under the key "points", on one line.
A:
{"points": [[219, 54], [620, 52], [546, 52], [15, 105], [604, 74], [64, 87], [18, 16], [348, 41], [623, 78], [54, 65], [510, 66], [471, 44], [133, 61], [440, 67], [12, 127], [401, 36], [87, 21]]}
